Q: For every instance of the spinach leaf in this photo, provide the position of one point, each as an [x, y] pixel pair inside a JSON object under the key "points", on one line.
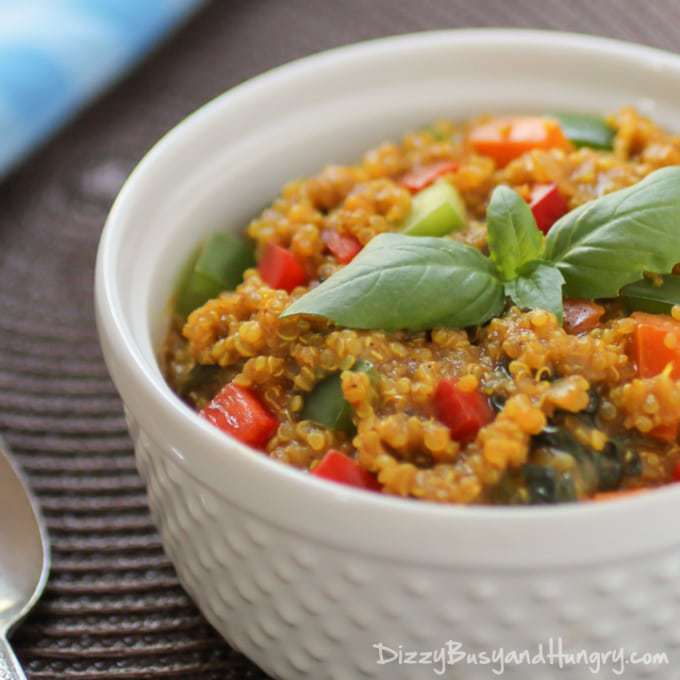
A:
{"points": [[514, 237], [411, 283], [647, 297], [609, 242], [538, 286]]}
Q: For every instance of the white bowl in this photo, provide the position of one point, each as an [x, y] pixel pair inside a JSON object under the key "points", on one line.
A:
{"points": [[303, 576]]}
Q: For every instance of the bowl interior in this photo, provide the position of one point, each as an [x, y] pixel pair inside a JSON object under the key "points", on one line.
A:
{"points": [[230, 159]]}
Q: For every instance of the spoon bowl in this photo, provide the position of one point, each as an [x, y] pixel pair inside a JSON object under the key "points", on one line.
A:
{"points": [[24, 557]]}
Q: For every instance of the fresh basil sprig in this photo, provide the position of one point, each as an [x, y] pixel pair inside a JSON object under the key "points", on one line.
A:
{"points": [[515, 246], [514, 238], [538, 286], [416, 283], [408, 282], [605, 244]]}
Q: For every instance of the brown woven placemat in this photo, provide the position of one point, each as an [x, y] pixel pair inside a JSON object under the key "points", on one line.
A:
{"points": [[113, 607]]}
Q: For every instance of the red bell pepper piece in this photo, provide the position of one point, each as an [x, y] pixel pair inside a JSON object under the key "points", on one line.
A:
{"points": [[652, 352], [279, 269], [422, 176], [666, 433], [505, 139], [465, 413], [238, 412], [581, 316], [547, 205], [337, 467], [343, 246], [676, 472], [656, 343]]}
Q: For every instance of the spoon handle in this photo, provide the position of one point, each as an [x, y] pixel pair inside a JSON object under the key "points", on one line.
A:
{"points": [[9, 665]]}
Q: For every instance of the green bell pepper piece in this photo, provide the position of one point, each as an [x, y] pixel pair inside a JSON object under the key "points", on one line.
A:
{"points": [[326, 404], [218, 265], [435, 211]]}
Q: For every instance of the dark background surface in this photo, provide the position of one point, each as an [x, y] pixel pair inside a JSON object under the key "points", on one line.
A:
{"points": [[113, 607]]}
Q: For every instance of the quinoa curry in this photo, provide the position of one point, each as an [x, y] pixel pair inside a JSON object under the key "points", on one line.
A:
{"points": [[484, 313]]}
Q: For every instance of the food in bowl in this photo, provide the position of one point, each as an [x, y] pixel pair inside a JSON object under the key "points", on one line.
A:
{"points": [[484, 313]]}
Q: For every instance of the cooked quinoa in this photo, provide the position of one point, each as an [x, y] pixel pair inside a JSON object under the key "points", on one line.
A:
{"points": [[544, 383]]}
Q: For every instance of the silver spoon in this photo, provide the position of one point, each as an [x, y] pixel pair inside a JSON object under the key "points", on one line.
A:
{"points": [[24, 558]]}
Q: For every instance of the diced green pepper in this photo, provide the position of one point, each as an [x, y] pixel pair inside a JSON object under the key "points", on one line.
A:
{"points": [[435, 211], [585, 130], [645, 296], [217, 266], [326, 404]]}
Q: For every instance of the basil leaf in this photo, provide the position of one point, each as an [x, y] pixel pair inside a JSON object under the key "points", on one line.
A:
{"points": [[539, 286], [408, 282], [514, 237], [609, 242], [647, 297]]}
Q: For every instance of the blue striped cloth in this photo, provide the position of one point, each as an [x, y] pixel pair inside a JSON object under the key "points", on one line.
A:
{"points": [[55, 55]]}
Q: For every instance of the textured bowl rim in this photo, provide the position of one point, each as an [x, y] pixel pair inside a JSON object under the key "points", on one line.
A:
{"points": [[385, 521]]}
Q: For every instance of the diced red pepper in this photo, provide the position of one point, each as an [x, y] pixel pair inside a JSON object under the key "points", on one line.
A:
{"points": [[238, 412], [665, 433], [422, 176], [465, 413], [279, 269], [343, 246], [337, 467], [505, 139], [581, 316], [676, 472], [547, 205], [656, 344]]}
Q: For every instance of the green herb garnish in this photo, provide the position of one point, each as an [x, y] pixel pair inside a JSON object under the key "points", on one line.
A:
{"points": [[417, 283], [514, 238], [538, 286], [408, 282], [605, 244]]}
